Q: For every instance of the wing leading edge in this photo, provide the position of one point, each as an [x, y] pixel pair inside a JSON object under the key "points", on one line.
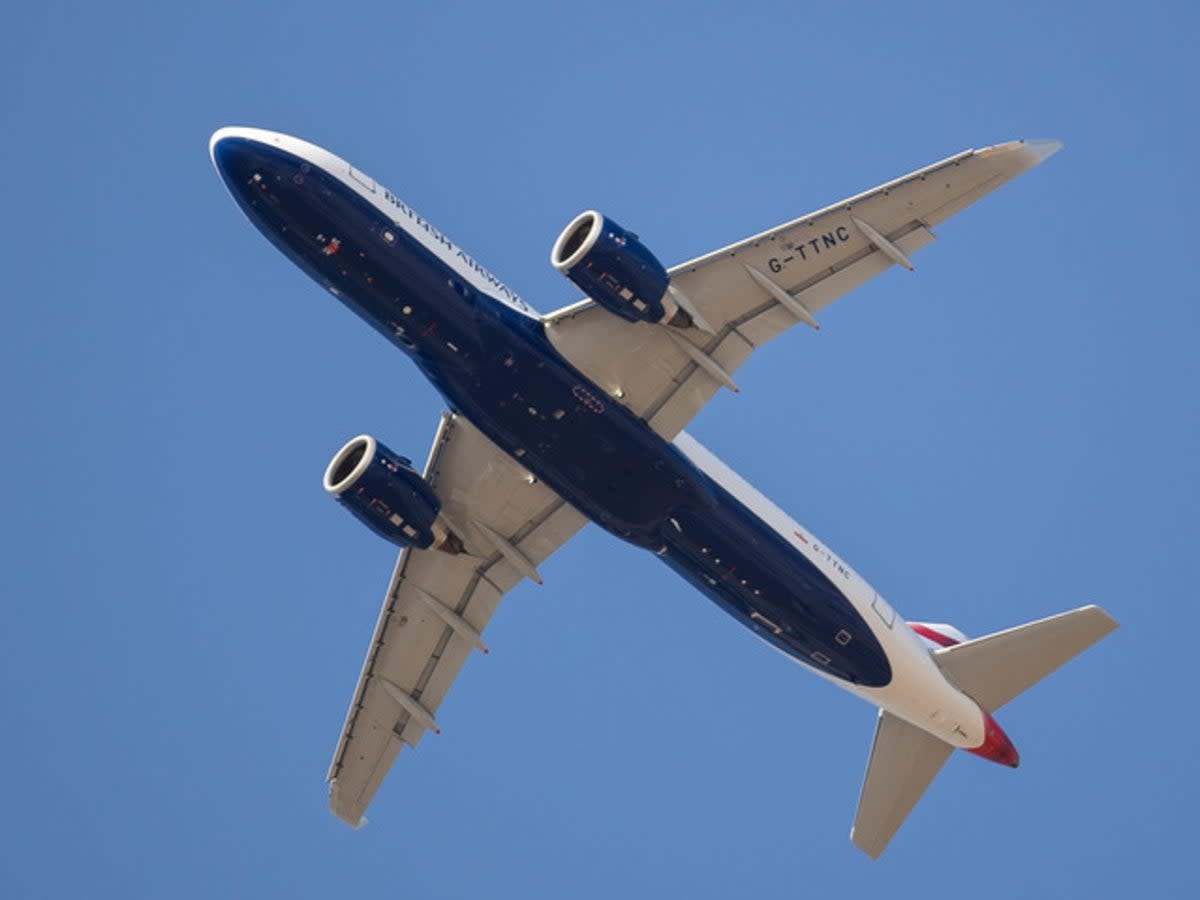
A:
{"points": [[437, 605]]}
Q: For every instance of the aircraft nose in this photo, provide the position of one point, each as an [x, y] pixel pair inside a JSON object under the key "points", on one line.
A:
{"points": [[250, 161], [226, 147]]}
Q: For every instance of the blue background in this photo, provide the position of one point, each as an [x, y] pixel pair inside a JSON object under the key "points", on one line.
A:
{"points": [[1008, 432]]}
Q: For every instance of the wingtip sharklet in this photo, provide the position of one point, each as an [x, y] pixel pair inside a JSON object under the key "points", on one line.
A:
{"points": [[1041, 149], [1028, 152]]}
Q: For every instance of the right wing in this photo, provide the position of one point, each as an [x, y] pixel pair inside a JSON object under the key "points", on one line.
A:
{"points": [[438, 604], [743, 295]]}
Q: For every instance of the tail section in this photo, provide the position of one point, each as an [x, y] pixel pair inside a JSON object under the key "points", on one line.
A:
{"points": [[990, 670], [904, 760]]}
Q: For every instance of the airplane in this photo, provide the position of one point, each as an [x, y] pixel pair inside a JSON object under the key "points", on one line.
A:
{"points": [[576, 416]]}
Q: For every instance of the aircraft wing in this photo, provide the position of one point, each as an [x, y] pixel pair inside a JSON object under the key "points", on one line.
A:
{"points": [[743, 295], [438, 604]]}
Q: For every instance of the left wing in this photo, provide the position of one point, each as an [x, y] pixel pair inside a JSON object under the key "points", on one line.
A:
{"points": [[743, 295], [437, 604]]}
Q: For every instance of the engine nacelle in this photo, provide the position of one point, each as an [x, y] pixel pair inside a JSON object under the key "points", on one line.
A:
{"points": [[613, 267], [383, 492]]}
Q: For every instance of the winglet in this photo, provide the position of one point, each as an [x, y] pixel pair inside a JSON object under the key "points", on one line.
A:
{"points": [[1039, 149], [1025, 153]]}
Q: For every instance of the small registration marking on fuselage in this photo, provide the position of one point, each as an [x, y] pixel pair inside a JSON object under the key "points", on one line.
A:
{"points": [[838, 566]]}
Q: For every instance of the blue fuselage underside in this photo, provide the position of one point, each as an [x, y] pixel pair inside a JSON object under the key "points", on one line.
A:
{"points": [[497, 368]]}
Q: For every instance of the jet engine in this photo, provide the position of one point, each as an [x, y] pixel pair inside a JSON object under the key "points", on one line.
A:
{"points": [[383, 492], [613, 267]]}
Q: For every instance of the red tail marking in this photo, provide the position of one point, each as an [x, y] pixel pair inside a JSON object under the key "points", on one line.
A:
{"points": [[936, 636]]}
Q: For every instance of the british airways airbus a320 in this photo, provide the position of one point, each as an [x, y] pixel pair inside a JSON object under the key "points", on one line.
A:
{"points": [[578, 415]]}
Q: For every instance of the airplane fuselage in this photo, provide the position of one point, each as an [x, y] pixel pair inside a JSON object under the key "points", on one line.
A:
{"points": [[489, 356]]}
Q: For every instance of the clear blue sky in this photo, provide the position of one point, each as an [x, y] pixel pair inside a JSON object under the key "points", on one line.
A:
{"points": [[1008, 432]]}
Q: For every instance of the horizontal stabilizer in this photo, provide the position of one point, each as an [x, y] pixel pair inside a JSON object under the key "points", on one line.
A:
{"points": [[904, 760], [992, 670]]}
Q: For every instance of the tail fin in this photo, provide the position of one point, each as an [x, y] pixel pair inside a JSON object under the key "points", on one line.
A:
{"points": [[991, 670]]}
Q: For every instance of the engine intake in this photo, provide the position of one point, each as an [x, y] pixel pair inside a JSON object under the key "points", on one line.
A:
{"points": [[614, 268], [381, 490]]}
